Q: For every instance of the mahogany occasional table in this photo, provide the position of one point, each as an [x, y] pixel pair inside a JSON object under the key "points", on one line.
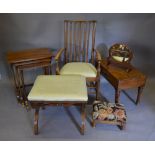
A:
{"points": [[27, 59], [120, 79]]}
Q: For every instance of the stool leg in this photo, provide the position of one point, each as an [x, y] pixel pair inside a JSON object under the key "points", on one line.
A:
{"points": [[122, 126], [83, 118], [140, 89], [36, 117], [93, 123], [117, 95]]}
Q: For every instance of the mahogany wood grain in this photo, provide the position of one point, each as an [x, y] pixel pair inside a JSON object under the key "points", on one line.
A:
{"points": [[121, 79], [25, 60], [28, 55]]}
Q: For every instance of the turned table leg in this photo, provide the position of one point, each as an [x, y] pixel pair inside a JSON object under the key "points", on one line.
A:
{"points": [[117, 95], [15, 81], [36, 117], [83, 118], [19, 85], [22, 82], [140, 89]]}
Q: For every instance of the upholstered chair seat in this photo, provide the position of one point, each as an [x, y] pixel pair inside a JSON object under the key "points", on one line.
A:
{"points": [[79, 68]]}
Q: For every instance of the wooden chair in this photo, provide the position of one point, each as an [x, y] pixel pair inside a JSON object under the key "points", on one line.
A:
{"points": [[120, 55], [80, 56]]}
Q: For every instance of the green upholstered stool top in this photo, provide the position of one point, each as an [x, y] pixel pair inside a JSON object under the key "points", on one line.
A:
{"points": [[59, 88]]}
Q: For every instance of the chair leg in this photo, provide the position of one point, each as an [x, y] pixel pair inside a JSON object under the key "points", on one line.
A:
{"points": [[36, 117], [83, 118], [46, 70], [97, 89], [50, 70], [117, 95], [43, 107]]}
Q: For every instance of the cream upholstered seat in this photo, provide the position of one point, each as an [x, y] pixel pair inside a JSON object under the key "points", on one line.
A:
{"points": [[79, 68], [59, 88]]}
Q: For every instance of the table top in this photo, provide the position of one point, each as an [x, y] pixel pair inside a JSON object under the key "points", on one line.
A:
{"points": [[28, 55], [120, 77]]}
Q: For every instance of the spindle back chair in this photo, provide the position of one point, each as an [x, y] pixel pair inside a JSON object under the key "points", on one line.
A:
{"points": [[79, 49]]}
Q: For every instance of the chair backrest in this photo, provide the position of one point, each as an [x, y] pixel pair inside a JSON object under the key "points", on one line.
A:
{"points": [[79, 39]]}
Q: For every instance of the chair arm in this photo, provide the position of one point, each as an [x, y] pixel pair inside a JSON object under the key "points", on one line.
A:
{"points": [[98, 56], [59, 53], [98, 59], [57, 57]]}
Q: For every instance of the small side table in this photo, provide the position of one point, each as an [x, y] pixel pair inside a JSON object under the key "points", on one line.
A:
{"points": [[27, 59], [120, 79]]}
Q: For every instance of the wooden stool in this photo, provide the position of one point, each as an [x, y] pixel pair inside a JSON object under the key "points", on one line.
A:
{"points": [[51, 90], [109, 113]]}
